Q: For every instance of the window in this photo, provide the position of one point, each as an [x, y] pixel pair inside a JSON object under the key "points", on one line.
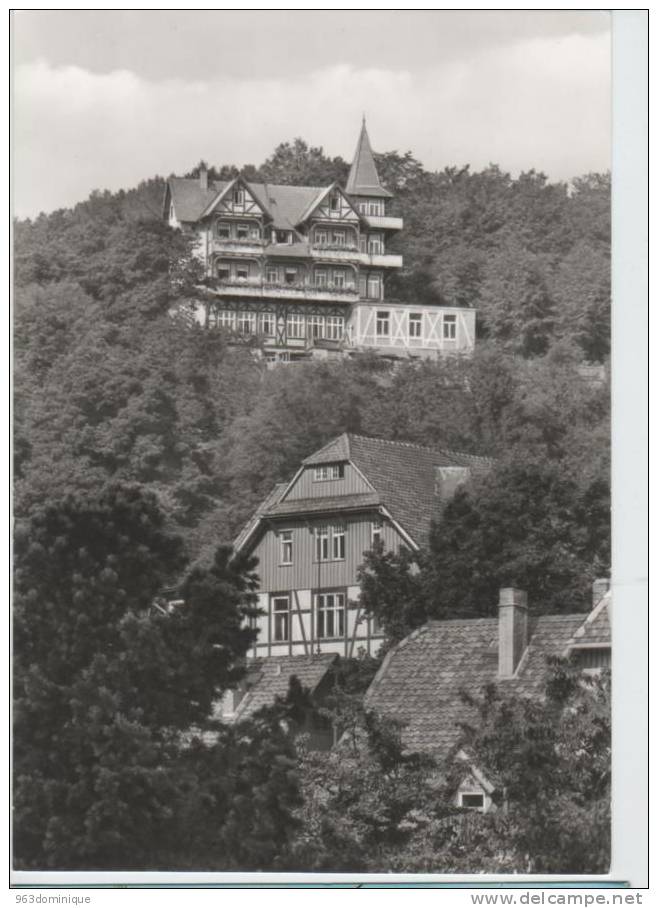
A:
{"points": [[271, 276], [591, 658], [290, 275], [363, 207], [223, 272], [238, 196], [339, 279], [243, 232], [281, 618], [374, 287], [295, 325], [223, 231], [415, 324], [334, 201], [267, 324], [322, 544], [285, 539], [376, 532], [450, 327], [339, 237], [383, 325], [375, 245], [247, 322], [254, 233], [363, 243], [376, 626], [283, 237], [375, 208], [320, 278], [316, 326], [330, 615], [226, 319], [471, 800], [329, 471], [335, 327], [338, 543], [242, 272], [321, 237], [330, 543]]}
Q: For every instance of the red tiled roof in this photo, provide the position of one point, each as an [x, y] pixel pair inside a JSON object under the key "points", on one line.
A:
{"points": [[421, 679], [403, 475], [269, 678]]}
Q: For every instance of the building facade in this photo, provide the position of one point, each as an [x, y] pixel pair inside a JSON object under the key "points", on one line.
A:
{"points": [[302, 270], [310, 536]]}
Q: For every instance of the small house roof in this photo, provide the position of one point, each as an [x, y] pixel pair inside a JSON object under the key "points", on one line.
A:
{"points": [[421, 680], [269, 678]]}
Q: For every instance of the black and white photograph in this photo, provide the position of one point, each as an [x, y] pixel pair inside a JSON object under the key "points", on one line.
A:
{"points": [[312, 561]]}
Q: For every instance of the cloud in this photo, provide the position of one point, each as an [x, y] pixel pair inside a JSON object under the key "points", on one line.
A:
{"points": [[541, 103]]}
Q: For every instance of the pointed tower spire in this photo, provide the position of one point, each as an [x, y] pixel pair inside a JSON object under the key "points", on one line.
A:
{"points": [[364, 179]]}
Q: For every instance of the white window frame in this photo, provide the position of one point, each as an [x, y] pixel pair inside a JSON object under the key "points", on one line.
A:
{"points": [[268, 275], [415, 321], [338, 543], [244, 229], [267, 324], [295, 326], [339, 279], [223, 226], [383, 318], [479, 794], [280, 618], [322, 547], [376, 281], [375, 208], [335, 327], [375, 244], [321, 279], [334, 201], [238, 196], [226, 319], [339, 238], [376, 531], [449, 327], [321, 237], [285, 547], [328, 471], [316, 326], [246, 323], [226, 268], [243, 268], [254, 232], [330, 615]]}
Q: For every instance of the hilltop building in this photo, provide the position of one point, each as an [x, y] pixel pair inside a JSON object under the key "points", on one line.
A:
{"points": [[302, 270]]}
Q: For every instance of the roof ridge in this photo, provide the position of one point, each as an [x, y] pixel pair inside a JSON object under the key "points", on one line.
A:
{"points": [[413, 444]]}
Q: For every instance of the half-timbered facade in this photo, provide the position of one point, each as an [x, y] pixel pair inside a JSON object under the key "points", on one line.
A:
{"points": [[302, 270], [310, 535]]}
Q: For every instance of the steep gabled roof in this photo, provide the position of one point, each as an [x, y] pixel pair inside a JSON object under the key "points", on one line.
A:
{"points": [[249, 527], [269, 678], [595, 629], [190, 200], [363, 178], [421, 680]]}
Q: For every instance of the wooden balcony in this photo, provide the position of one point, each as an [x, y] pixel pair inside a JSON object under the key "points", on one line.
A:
{"points": [[237, 247], [380, 222], [301, 290]]}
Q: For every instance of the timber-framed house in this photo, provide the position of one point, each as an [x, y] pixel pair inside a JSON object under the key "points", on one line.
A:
{"points": [[301, 271], [310, 535]]}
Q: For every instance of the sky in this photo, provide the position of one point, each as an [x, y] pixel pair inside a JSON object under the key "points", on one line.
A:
{"points": [[104, 99]]}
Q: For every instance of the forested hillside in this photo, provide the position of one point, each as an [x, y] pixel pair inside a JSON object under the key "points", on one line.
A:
{"points": [[109, 387]]}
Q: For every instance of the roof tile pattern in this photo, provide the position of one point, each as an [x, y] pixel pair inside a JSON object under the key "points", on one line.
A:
{"points": [[595, 630], [269, 678], [363, 178], [421, 679]]}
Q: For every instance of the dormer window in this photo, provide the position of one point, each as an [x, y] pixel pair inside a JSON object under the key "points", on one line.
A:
{"points": [[282, 237], [328, 471], [472, 800]]}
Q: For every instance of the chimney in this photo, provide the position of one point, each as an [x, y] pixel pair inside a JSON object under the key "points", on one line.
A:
{"points": [[599, 588], [512, 630], [203, 178]]}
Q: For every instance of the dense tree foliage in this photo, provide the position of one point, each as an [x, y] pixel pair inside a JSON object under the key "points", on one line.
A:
{"points": [[104, 683]]}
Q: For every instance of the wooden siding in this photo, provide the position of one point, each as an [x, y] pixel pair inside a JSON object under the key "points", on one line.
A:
{"points": [[306, 487], [307, 573]]}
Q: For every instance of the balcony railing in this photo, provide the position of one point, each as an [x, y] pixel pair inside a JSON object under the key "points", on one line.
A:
{"points": [[306, 289]]}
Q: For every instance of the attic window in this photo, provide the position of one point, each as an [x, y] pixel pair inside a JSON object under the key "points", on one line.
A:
{"points": [[591, 658], [334, 201], [283, 237], [329, 471], [471, 800], [238, 196]]}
